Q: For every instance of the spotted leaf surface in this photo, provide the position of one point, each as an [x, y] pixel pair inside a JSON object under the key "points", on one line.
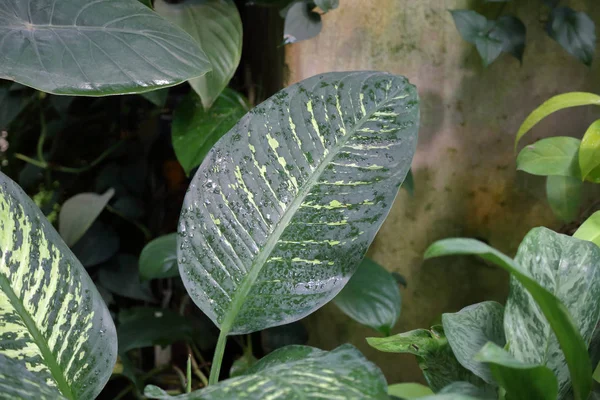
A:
{"points": [[284, 206], [53, 322], [569, 268], [298, 373], [94, 47]]}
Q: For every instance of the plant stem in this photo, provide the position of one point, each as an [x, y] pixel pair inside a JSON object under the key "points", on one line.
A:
{"points": [[217, 358], [188, 384]]}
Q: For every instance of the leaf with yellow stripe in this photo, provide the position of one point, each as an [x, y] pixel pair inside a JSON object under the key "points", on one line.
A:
{"points": [[54, 327]]}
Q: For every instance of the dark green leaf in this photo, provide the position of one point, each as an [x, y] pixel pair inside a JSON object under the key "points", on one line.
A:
{"points": [[216, 25], [489, 46], [371, 297], [298, 372], [301, 23], [409, 390], [283, 208], [470, 329], [159, 258], [242, 365], [79, 213], [11, 104], [97, 245], [195, 131], [513, 32], [575, 31], [470, 24], [409, 183], [551, 156], [327, 5], [283, 335], [94, 48], [433, 352], [597, 374], [53, 321], [564, 196], [129, 207], [157, 97], [521, 381], [123, 279]]}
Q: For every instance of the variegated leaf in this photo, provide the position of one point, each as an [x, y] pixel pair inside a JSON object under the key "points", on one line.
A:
{"points": [[568, 268], [298, 373], [284, 206], [17, 382], [53, 321]]}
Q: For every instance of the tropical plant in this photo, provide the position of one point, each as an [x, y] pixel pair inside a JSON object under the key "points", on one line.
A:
{"points": [[540, 345]]}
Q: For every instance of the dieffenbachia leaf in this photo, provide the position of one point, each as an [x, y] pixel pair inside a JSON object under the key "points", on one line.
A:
{"points": [[551, 156], [575, 31], [94, 48], [433, 353], [470, 329], [461, 388], [17, 382], [590, 229], [561, 310], [53, 321], [297, 372], [589, 152], [216, 25], [159, 258], [79, 212], [371, 297], [284, 206], [554, 104], [564, 196], [521, 381]]}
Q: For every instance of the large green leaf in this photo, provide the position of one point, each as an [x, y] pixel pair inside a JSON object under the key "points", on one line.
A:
{"points": [[371, 297], [195, 130], [216, 25], [16, 382], [551, 156], [470, 329], [433, 353], [52, 319], [556, 103], [298, 372], [545, 256], [521, 381], [590, 229], [589, 151], [79, 212], [94, 48], [564, 196], [159, 258], [284, 206]]}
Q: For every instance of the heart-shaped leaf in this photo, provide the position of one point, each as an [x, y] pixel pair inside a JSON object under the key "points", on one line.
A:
{"points": [[575, 31], [216, 25], [551, 156], [285, 205], [94, 48], [159, 258], [53, 321]]}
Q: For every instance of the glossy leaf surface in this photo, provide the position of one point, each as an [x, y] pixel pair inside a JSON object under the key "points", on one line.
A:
{"points": [[94, 48], [53, 321], [590, 229], [284, 206], [589, 151], [298, 372], [216, 25], [470, 329], [159, 258], [79, 213], [551, 156], [371, 297]]}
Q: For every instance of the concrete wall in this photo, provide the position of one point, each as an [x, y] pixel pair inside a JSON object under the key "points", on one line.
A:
{"points": [[466, 183]]}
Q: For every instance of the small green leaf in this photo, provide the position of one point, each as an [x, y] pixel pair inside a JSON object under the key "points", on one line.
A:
{"points": [[371, 297], [575, 31], [589, 151], [195, 131], [551, 156], [513, 33], [470, 24], [122, 278], [94, 48], [159, 258], [409, 390], [556, 103], [157, 97], [470, 329], [521, 381], [564, 196], [327, 5], [79, 213], [301, 23], [489, 46], [297, 372], [590, 229], [97, 245], [216, 25]]}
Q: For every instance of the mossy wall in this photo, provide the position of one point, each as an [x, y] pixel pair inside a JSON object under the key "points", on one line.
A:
{"points": [[465, 178]]}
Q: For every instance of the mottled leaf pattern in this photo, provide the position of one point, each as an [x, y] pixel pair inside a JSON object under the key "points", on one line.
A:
{"points": [[284, 206], [470, 329], [570, 269], [298, 373], [52, 318], [94, 47], [17, 382]]}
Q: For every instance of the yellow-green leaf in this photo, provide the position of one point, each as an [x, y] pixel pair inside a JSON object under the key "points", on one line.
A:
{"points": [[590, 229], [589, 150]]}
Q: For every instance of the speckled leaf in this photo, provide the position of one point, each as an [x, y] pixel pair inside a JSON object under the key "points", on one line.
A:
{"points": [[470, 329], [522, 381], [94, 48], [52, 319], [371, 297], [284, 206], [434, 355], [298, 373], [17, 382], [568, 268], [216, 25]]}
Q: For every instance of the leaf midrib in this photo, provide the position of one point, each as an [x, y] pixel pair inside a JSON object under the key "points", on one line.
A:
{"points": [[246, 285], [38, 338]]}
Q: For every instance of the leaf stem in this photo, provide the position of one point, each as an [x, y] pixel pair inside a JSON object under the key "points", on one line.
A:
{"points": [[188, 383], [218, 358]]}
